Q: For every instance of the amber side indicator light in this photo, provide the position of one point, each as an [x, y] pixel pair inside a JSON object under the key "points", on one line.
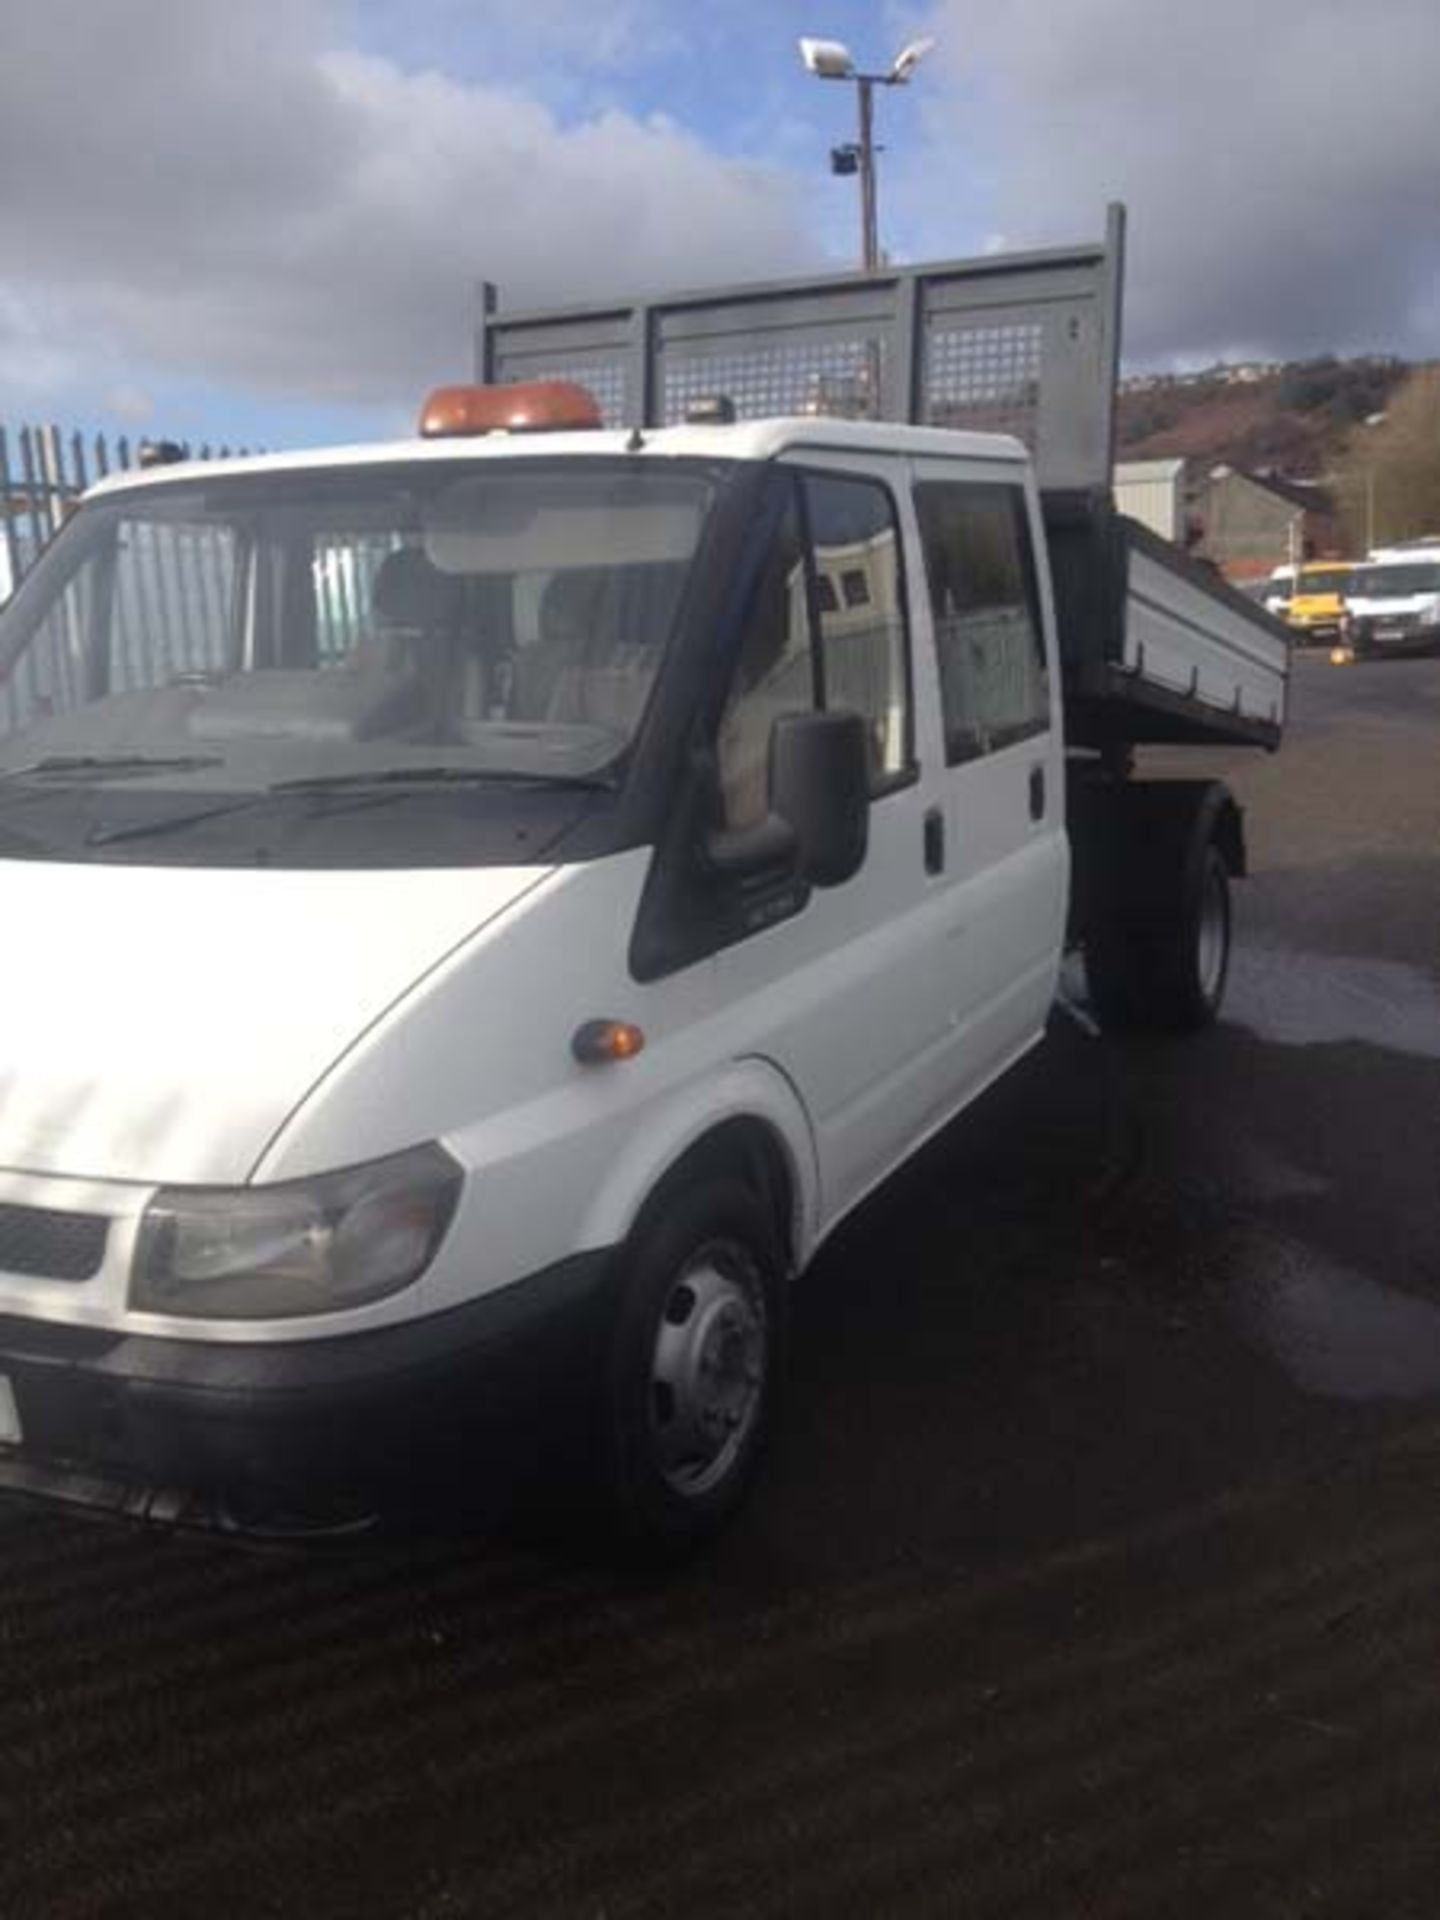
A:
{"points": [[600, 1042], [532, 406]]}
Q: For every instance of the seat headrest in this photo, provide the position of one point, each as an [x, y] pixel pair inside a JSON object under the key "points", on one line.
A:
{"points": [[409, 591], [572, 603]]}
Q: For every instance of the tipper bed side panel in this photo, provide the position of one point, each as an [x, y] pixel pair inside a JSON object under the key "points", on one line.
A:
{"points": [[1156, 648]]}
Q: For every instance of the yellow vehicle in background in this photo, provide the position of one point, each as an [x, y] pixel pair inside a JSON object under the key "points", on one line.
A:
{"points": [[1315, 605]]}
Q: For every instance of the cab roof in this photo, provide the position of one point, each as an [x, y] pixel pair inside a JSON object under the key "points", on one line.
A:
{"points": [[743, 440]]}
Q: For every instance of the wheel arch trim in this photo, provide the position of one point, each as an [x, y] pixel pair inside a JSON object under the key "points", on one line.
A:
{"points": [[749, 1106]]}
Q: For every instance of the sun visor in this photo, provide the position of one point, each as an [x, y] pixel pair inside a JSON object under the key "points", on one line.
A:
{"points": [[493, 526]]}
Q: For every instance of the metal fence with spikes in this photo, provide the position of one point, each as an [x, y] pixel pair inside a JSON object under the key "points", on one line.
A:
{"points": [[43, 472]]}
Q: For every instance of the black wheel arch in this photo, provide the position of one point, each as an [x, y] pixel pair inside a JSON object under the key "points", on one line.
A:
{"points": [[1138, 850], [746, 1149], [1146, 857]]}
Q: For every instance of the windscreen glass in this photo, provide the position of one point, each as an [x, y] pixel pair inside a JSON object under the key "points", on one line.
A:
{"points": [[281, 635], [1325, 581], [1397, 582]]}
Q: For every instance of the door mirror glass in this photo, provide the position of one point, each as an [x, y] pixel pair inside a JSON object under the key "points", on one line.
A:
{"points": [[817, 826], [820, 789]]}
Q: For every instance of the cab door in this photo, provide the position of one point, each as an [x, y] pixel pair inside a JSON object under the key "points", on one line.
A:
{"points": [[843, 988], [989, 621]]}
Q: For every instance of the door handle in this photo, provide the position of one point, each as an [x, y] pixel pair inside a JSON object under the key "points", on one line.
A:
{"points": [[1037, 793], [934, 841]]}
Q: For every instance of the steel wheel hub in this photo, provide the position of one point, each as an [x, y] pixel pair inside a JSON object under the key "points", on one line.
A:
{"points": [[707, 1372], [1211, 944]]}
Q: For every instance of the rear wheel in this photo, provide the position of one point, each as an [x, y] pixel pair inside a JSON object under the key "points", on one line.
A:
{"points": [[1169, 978], [693, 1371]]}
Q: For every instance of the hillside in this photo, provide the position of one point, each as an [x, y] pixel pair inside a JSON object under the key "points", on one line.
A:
{"points": [[1297, 420], [1386, 481]]}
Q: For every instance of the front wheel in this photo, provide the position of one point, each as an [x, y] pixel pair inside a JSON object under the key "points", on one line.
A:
{"points": [[693, 1367]]}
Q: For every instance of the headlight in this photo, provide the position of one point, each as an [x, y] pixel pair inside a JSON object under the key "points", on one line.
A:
{"points": [[303, 1246]]}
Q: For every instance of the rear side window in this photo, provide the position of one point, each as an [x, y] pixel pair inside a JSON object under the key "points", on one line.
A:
{"points": [[984, 603]]}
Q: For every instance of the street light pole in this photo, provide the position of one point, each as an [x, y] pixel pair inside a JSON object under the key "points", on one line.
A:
{"points": [[830, 60], [869, 212]]}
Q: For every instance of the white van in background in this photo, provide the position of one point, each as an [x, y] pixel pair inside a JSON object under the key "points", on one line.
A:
{"points": [[1394, 600]]}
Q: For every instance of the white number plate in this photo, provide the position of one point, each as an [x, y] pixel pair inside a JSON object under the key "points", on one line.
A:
{"points": [[9, 1415]]}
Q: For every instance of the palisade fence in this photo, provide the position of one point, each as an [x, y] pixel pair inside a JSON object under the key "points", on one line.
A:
{"points": [[164, 606], [169, 589], [43, 472]]}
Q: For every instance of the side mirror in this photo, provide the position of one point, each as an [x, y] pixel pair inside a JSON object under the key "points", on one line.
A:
{"points": [[820, 788], [769, 847], [818, 824]]}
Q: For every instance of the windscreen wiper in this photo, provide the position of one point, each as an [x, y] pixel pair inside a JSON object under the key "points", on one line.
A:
{"points": [[444, 776], [100, 763], [172, 822], [392, 782], [197, 816]]}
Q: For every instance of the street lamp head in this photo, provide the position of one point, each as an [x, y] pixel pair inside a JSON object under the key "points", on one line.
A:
{"points": [[828, 59], [908, 58], [831, 60]]}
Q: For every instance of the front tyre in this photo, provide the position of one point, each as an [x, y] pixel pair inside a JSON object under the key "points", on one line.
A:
{"points": [[693, 1367]]}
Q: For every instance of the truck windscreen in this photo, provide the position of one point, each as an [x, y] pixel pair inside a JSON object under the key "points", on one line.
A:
{"points": [[274, 633], [1330, 581], [1396, 582]]}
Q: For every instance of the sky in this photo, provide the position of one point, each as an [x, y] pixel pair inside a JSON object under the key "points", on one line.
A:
{"points": [[265, 223]]}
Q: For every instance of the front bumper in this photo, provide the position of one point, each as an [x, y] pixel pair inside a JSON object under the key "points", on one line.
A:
{"points": [[1392, 636], [314, 1434], [1323, 627]]}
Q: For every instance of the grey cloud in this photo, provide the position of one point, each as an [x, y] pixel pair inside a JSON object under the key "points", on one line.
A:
{"points": [[213, 190], [205, 188], [1280, 158], [533, 37]]}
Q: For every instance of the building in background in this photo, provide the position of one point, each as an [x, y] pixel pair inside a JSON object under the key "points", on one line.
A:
{"points": [[1153, 492], [1249, 523]]}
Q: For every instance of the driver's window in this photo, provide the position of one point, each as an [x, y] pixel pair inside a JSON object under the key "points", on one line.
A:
{"points": [[775, 674], [836, 575]]}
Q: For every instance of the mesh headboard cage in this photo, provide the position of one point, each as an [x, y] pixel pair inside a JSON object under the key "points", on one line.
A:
{"points": [[1027, 344]]}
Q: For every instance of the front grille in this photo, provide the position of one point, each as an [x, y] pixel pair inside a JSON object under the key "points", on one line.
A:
{"points": [[51, 1246]]}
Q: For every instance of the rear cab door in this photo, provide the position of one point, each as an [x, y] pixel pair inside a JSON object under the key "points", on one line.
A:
{"points": [[987, 620]]}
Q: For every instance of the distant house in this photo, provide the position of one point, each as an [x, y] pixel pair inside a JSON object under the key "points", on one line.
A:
{"points": [[1251, 523], [1249, 373]]}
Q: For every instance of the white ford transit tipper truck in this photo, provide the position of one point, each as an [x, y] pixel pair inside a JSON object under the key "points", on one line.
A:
{"points": [[478, 912]]}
